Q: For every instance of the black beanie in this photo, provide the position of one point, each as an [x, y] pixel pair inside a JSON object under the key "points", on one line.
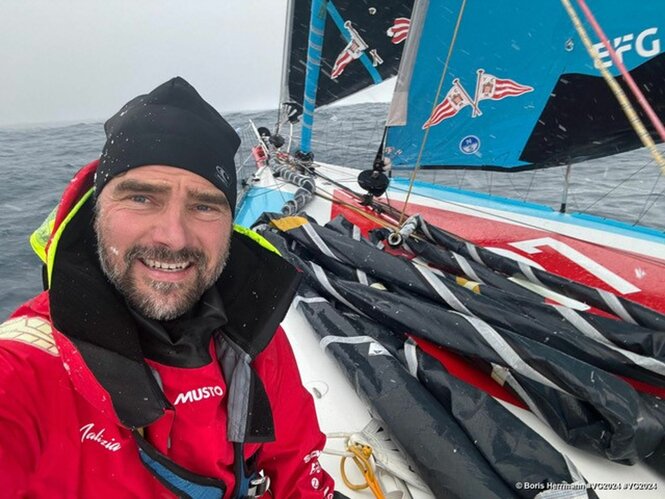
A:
{"points": [[174, 126]]}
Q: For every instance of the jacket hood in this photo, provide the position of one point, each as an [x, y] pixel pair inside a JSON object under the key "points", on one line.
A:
{"points": [[45, 238]]}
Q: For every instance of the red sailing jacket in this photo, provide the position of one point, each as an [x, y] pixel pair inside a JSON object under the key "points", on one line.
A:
{"points": [[73, 387]]}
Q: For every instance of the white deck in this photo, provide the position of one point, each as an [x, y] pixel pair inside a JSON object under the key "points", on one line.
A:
{"points": [[339, 408]]}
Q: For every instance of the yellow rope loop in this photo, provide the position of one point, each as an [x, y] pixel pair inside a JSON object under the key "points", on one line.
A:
{"points": [[361, 455]]}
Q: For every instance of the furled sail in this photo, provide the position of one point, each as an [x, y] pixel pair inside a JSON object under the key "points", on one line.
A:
{"points": [[595, 391], [516, 87], [362, 46]]}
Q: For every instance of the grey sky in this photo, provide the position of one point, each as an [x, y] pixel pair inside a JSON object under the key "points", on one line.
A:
{"points": [[68, 60], [63, 60]]}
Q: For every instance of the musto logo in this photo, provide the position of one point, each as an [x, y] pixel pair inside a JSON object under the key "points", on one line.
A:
{"points": [[197, 394], [646, 44]]}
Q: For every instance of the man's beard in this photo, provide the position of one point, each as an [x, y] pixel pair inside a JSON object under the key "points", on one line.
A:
{"points": [[168, 300]]}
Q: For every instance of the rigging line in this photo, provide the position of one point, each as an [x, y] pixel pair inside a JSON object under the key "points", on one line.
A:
{"points": [[317, 166], [249, 156], [434, 104], [343, 187], [627, 179], [277, 187], [382, 222], [387, 224], [343, 179], [388, 209], [651, 204], [315, 170], [528, 191], [512, 180], [462, 178], [329, 196], [626, 106], [388, 200], [315, 173], [349, 147], [279, 182], [653, 117], [524, 223]]}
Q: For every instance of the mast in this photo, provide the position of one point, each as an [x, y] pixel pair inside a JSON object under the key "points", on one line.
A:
{"points": [[284, 84], [317, 26]]}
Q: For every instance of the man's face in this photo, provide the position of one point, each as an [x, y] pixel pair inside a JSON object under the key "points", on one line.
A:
{"points": [[163, 236]]}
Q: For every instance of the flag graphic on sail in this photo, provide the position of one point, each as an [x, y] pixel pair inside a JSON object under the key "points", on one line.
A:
{"points": [[399, 30], [488, 86], [456, 99], [376, 63], [353, 50]]}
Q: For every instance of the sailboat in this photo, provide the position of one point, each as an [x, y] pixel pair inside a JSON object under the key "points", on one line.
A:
{"points": [[460, 344]]}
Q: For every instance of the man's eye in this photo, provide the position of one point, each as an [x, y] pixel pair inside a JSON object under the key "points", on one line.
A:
{"points": [[204, 208], [139, 198]]}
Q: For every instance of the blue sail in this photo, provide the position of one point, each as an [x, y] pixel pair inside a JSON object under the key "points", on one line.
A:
{"points": [[518, 88]]}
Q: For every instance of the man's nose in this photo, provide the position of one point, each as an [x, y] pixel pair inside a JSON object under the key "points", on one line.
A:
{"points": [[170, 228]]}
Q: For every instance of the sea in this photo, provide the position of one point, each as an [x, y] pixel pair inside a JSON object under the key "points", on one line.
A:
{"points": [[37, 162]]}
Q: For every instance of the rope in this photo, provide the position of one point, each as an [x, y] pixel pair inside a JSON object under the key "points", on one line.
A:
{"points": [[382, 222], [361, 455], [653, 196], [283, 159], [626, 106], [329, 197], [372, 218], [434, 104], [619, 186], [653, 117], [375, 450], [476, 209]]}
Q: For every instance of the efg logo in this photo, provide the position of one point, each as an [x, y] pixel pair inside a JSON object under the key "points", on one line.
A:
{"points": [[646, 44]]}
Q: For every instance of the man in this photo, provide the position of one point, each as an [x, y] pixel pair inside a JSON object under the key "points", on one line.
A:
{"points": [[154, 364]]}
